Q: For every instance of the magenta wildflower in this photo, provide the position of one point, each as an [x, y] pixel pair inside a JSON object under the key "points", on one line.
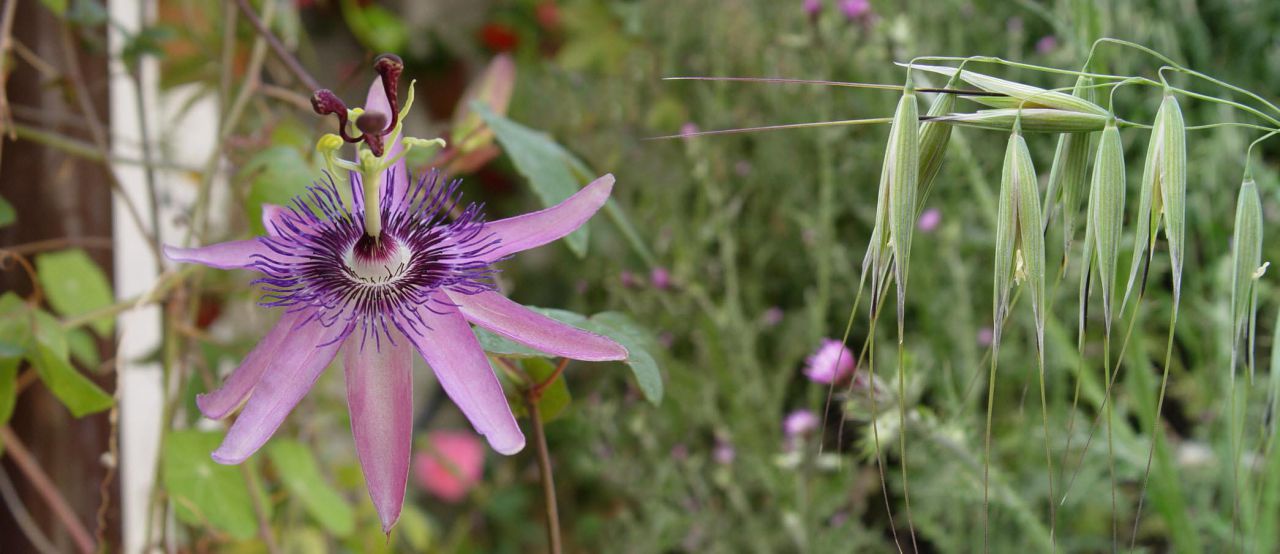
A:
{"points": [[689, 129], [831, 363], [772, 316], [985, 336], [724, 453], [855, 10], [378, 285], [1047, 44], [812, 7], [929, 220], [800, 422], [660, 278]]}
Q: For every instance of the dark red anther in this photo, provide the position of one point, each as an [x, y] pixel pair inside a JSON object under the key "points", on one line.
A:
{"points": [[373, 126], [325, 102]]}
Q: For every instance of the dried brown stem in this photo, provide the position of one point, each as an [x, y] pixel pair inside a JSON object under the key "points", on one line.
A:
{"points": [[30, 468], [283, 53]]}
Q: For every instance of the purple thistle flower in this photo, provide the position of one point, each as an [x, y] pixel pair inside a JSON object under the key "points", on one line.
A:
{"points": [[855, 10], [812, 7], [929, 220], [831, 363], [417, 285], [660, 278], [689, 129]]}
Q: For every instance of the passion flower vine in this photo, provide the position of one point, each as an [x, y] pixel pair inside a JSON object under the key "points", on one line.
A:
{"points": [[395, 266]]}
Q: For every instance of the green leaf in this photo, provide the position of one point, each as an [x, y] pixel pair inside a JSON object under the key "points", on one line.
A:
{"points": [[7, 214], [376, 27], [83, 348], [49, 333], [301, 476], [58, 7], [555, 398], [75, 391], [639, 344], [204, 492], [279, 174], [75, 285], [552, 171], [15, 325], [8, 387], [501, 346]]}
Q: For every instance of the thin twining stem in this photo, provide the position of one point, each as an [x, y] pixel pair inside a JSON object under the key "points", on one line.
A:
{"points": [[554, 543], [1179, 67], [283, 53]]}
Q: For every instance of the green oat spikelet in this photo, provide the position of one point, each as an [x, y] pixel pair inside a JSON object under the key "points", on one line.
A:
{"points": [[1106, 214], [1162, 196], [902, 167], [1247, 268], [1019, 95], [1069, 174], [1031, 120]]}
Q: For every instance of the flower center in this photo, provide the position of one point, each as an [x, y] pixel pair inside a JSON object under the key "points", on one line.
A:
{"points": [[378, 260]]}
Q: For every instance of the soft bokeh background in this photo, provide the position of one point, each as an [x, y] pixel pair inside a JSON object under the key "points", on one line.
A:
{"points": [[750, 256]]}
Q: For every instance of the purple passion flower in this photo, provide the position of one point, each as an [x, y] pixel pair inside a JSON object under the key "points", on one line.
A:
{"points": [[416, 285]]}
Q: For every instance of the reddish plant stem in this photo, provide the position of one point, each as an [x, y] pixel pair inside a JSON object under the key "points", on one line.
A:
{"points": [[541, 387], [544, 469], [30, 468]]}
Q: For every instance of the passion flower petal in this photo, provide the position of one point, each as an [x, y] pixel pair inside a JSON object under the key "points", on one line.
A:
{"points": [[237, 254], [499, 314], [237, 387], [380, 397], [295, 371], [460, 364], [535, 229]]}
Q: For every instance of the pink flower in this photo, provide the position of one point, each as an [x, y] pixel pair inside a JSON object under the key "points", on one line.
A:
{"points": [[377, 287], [660, 278], [628, 279], [772, 316], [800, 422], [929, 220], [855, 10], [985, 336], [689, 129], [1047, 44], [723, 453], [812, 7], [451, 465], [831, 363]]}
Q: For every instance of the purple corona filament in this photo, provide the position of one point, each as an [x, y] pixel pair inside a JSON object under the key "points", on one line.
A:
{"points": [[324, 261]]}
